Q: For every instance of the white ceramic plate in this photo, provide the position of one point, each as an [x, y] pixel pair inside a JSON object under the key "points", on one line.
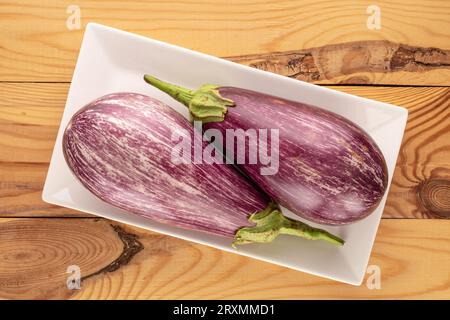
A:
{"points": [[111, 60]]}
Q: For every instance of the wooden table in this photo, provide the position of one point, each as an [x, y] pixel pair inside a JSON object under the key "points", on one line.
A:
{"points": [[406, 61]]}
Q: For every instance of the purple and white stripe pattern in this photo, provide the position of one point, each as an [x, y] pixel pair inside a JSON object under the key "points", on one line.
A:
{"points": [[119, 147], [330, 170]]}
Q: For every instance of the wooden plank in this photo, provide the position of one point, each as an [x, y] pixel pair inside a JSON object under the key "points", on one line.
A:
{"points": [[30, 114], [38, 46], [123, 262], [21, 187], [29, 121], [36, 253]]}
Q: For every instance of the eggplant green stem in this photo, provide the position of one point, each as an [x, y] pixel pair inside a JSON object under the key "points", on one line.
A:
{"points": [[271, 222], [205, 104]]}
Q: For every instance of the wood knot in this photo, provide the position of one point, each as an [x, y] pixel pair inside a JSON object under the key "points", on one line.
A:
{"points": [[434, 195]]}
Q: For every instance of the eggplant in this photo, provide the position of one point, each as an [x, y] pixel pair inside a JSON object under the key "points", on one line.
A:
{"points": [[330, 170], [120, 147]]}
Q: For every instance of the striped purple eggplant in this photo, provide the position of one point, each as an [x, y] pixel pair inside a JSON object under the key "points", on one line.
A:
{"points": [[330, 171], [120, 148]]}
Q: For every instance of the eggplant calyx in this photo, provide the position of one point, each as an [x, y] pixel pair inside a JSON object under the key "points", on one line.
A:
{"points": [[270, 222], [205, 104]]}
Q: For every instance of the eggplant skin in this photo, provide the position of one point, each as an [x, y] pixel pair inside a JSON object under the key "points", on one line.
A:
{"points": [[119, 147], [330, 170]]}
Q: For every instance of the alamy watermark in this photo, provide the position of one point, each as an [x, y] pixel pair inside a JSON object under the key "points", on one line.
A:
{"points": [[73, 21], [73, 281], [374, 20], [373, 281], [249, 146]]}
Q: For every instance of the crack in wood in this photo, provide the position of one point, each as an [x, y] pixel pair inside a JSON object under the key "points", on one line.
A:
{"points": [[410, 58], [21, 185], [131, 246], [332, 61]]}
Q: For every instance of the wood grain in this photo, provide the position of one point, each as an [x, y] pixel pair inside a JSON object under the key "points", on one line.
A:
{"points": [[434, 195], [35, 254], [37, 46], [360, 62], [123, 262], [320, 41], [21, 187], [30, 115]]}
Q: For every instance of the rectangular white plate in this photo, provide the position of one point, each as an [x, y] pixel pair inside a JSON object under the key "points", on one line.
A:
{"points": [[111, 60]]}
